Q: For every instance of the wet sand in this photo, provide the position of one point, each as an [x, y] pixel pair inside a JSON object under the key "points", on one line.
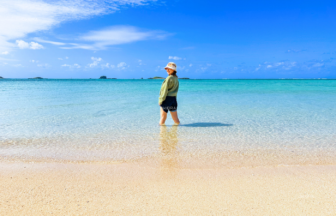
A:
{"points": [[140, 189]]}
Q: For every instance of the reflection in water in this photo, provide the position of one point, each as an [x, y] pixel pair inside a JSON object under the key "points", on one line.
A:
{"points": [[168, 148]]}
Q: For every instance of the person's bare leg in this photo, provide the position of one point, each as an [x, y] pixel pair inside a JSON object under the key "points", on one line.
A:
{"points": [[163, 116], [175, 117]]}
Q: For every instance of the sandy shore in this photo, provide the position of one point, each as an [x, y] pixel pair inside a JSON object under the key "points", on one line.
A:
{"points": [[135, 189]]}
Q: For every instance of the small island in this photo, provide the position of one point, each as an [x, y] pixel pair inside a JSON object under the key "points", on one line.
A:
{"points": [[36, 78], [156, 77], [1, 77], [184, 78], [104, 77]]}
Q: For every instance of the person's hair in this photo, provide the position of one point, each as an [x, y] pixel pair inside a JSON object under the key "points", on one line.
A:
{"points": [[174, 73]]}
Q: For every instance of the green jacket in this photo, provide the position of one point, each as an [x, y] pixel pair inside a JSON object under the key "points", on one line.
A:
{"points": [[169, 88]]}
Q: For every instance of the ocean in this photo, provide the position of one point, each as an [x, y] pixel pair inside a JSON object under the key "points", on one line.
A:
{"points": [[224, 123]]}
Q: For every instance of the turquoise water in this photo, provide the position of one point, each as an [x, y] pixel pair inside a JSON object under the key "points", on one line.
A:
{"points": [[111, 120]]}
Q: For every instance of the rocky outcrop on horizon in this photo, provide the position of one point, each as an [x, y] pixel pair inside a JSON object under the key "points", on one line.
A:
{"points": [[36, 78], [156, 77]]}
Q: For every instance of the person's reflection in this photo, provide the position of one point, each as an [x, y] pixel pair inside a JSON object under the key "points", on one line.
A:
{"points": [[168, 147]]}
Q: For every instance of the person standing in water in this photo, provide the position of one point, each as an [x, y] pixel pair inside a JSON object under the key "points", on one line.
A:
{"points": [[168, 93]]}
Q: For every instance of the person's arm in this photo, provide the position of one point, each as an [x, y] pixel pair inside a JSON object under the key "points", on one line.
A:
{"points": [[164, 91]]}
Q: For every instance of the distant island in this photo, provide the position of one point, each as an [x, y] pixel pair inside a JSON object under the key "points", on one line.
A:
{"points": [[1, 77], [104, 77], [157, 78], [36, 78], [164, 78]]}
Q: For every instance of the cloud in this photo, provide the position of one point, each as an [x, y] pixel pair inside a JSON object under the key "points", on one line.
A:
{"points": [[296, 51], [5, 53], [76, 66], [50, 42], [318, 65], [34, 61], [71, 66], [32, 45], [174, 58], [190, 65], [258, 68], [122, 65], [95, 61], [43, 65], [21, 17], [282, 65], [115, 35], [277, 64], [22, 45], [107, 65]]}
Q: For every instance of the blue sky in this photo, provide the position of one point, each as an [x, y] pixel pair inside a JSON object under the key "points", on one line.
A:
{"points": [[137, 38]]}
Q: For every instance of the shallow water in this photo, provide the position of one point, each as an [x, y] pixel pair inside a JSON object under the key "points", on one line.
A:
{"points": [[223, 122]]}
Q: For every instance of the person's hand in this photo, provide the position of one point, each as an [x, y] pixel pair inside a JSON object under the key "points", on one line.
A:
{"points": [[159, 104]]}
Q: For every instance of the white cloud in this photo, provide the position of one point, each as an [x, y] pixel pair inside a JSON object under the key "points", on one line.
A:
{"points": [[107, 65], [21, 17], [114, 35], [32, 45], [190, 65], [318, 65], [50, 42], [22, 44], [122, 65], [62, 58], [5, 53], [174, 58], [269, 66], [258, 68], [278, 64], [43, 65], [95, 61], [71, 66], [34, 61]]}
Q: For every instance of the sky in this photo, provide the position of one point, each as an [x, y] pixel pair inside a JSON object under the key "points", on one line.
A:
{"points": [[128, 39]]}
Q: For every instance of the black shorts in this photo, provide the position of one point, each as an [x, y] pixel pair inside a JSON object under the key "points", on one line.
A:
{"points": [[169, 104]]}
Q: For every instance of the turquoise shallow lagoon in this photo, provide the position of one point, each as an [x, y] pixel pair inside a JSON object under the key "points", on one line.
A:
{"points": [[222, 121]]}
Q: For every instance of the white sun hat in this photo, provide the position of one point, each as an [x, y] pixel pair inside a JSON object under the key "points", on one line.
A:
{"points": [[171, 65]]}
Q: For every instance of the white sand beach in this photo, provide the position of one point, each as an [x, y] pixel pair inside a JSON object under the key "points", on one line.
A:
{"points": [[134, 189]]}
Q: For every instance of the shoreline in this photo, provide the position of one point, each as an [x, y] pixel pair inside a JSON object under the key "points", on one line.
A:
{"points": [[140, 189]]}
